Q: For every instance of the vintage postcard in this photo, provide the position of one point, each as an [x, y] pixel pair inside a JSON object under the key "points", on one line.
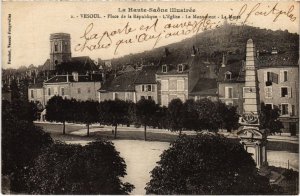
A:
{"points": [[146, 97]]}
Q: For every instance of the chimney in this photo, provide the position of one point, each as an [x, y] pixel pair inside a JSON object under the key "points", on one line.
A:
{"points": [[75, 76], [223, 61]]}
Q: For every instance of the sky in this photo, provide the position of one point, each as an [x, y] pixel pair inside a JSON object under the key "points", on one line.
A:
{"points": [[28, 25]]}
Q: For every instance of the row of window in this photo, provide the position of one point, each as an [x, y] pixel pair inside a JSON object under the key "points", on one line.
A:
{"points": [[147, 88], [180, 68], [284, 108], [273, 77], [167, 85], [285, 92], [62, 91], [56, 46]]}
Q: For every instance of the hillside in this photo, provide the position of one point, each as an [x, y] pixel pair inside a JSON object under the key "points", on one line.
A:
{"points": [[211, 44]]}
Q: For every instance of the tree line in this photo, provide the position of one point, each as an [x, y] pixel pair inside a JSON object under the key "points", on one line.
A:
{"points": [[192, 115]]}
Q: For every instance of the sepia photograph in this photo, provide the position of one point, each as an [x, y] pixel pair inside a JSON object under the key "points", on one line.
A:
{"points": [[150, 97]]}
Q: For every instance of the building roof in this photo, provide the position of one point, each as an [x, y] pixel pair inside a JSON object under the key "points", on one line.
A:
{"points": [[172, 62], [147, 75], [70, 78], [121, 83], [278, 60], [205, 86], [36, 85], [237, 70], [82, 61]]}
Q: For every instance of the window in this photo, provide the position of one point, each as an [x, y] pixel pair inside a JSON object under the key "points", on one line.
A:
{"points": [[228, 92], [149, 97], [268, 92], [55, 47], [165, 85], [180, 68], [142, 97], [283, 75], [49, 91], [31, 94], [143, 88], [284, 109], [115, 96], [284, 92], [269, 106], [228, 75], [62, 90], [89, 90], [180, 85], [149, 87], [164, 69], [78, 90]]}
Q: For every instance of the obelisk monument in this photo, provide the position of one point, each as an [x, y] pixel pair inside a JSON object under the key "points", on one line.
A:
{"points": [[253, 139]]}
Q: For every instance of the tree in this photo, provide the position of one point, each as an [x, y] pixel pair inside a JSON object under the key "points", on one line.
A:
{"points": [[145, 112], [88, 113], [113, 113], [73, 169], [190, 115], [21, 144], [175, 110], [206, 164], [269, 119], [229, 116], [57, 109], [208, 116]]}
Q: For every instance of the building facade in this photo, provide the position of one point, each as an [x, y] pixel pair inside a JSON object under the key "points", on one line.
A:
{"points": [[145, 83], [279, 87], [79, 87], [119, 87], [172, 83]]}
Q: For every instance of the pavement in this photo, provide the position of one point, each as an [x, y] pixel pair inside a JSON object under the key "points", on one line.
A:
{"points": [[97, 128]]}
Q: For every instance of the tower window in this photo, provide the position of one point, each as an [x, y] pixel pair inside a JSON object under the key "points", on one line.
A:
{"points": [[55, 47]]}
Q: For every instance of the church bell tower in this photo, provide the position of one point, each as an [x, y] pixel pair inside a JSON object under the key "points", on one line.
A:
{"points": [[60, 49]]}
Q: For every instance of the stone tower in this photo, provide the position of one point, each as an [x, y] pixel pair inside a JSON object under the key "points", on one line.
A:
{"points": [[60, 49]]}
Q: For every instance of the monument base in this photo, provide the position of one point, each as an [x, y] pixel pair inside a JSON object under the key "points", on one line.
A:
{"points": [[255, 142]]}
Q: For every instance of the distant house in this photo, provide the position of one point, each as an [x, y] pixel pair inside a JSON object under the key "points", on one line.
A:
{"points": [[231, 81], [172, 80], [79, 87], [278, 77], [120, 87], [145, 83], [36, 93]]}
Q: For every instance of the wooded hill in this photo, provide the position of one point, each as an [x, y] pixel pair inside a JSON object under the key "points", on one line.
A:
{"points": [[212, 44]]}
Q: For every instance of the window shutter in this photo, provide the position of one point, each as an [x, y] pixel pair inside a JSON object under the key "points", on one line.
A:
{"points": [[265, 76], [226, 92], [290, 92], [281, 76]]}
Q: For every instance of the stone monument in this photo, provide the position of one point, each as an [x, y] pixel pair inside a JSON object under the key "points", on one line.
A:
{"points": [[253, 139]]}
